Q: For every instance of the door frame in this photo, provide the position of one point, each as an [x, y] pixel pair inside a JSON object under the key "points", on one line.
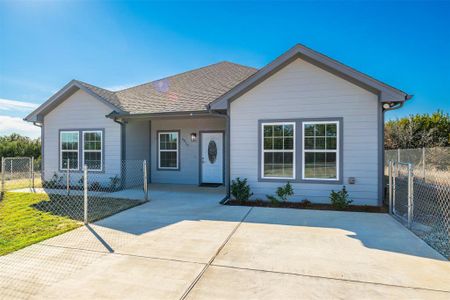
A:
{"points": [[200, 140]]}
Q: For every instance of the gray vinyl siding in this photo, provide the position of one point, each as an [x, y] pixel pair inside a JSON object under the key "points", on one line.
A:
{"points": [[81, 111], [188, 152], [302, 90], [137, 139]]}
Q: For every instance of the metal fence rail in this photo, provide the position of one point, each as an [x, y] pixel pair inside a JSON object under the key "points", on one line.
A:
{"points": [[420, 197]]}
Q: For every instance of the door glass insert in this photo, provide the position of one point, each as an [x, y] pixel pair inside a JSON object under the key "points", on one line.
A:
{"points": [[212, 151]]}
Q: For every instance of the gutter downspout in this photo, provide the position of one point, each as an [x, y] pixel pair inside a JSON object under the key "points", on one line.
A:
{"points": [[227, 152]]}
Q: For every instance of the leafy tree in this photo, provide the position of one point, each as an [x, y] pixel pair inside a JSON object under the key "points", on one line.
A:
{"points": [[416, 131], [16, 145]]}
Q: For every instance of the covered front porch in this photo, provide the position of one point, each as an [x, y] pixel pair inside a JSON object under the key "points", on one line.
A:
{"points": [[188, 149]]}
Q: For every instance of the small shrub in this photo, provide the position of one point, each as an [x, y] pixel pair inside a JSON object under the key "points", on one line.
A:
{"points": [[340, 199], [283, 192], [114, 182], [54, 182], [240, 189], [273, 200], [95, 186], [306, 202]]}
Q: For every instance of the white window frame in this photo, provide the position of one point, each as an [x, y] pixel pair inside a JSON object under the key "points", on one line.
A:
{"points": [[338, 137], [294, 165], [61, 150], [168, 150], [100, 151]]}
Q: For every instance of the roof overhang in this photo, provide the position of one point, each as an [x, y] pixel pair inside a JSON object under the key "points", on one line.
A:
{"points": [[174, 114], [68, 90], [385, 92]]}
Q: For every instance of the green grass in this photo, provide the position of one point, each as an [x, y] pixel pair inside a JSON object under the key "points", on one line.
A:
{"points": [[28, 218], [20, 183]]}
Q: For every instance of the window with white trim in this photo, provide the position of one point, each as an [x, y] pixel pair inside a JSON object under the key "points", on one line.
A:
{"points": [[92, 149], [320, 150], [278, 150], [168, 150], [69, 147]]}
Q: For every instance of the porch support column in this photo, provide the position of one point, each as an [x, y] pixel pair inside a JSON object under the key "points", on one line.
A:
{"points": [[227, 153]]}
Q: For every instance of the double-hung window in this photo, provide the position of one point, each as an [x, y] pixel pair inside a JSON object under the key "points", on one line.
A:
{"points": [[168, 150], [278, 150], [69, 147], [92, 149], [320, 151]]}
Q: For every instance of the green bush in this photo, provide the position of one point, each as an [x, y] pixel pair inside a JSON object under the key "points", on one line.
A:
{"points": [[340, 199], [114, 183], [240, 189], [306, 202], [273, 200], [283, 192]]}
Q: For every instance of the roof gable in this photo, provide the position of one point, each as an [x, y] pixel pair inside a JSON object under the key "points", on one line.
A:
{"points": [[386, 93], [68, 90]]}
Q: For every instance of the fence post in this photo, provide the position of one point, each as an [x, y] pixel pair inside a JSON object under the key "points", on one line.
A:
{"points": [[398, 154], [32, 173], [85, 189], [410, 195], [423, 163], [68, 177], [144, 168], [390, 185], [394, 176], [3, 178]]}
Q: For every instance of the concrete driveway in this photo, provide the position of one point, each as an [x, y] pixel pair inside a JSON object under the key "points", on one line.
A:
{"points": [[184, 245]]}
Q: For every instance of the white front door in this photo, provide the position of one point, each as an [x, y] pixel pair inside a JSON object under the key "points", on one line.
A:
{"points": [[211, 158]]}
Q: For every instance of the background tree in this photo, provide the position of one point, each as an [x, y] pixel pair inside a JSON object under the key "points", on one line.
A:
{"points": [[16, 145], [416, 131]]}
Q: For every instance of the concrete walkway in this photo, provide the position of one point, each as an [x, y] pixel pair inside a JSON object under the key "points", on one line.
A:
{"points": [[184, 245]]}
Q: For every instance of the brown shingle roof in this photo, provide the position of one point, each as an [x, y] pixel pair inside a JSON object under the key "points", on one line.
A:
{"points": [[188, 91]]}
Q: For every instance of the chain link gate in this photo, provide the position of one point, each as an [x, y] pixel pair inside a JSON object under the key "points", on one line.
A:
{"points": [[401, 191], [17, 173], [422, 204]]}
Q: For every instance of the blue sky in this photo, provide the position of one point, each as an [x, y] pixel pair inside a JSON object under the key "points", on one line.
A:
{"points": [[115, 44]]}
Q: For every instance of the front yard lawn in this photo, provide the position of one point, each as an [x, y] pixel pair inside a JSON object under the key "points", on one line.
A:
{"points": [[14, 184], [28, 218]]}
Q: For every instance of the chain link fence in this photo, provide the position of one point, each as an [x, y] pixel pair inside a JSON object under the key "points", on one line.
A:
{"points": [[19, 172], [64, 199], [419, 193], [33, 218]]}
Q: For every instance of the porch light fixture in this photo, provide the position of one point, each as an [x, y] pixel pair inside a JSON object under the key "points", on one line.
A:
{"points": [[193, 137], [386, 105]]}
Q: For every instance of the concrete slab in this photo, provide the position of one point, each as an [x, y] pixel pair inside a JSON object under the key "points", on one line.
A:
{"points": [[227, 283], [156, 250], [352, 246], [126, 277], [32, 269], [190, 226]]}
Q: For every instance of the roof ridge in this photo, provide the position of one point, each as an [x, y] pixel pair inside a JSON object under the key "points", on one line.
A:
{"points": [[185, 72], [97, 87], [240, 65]]}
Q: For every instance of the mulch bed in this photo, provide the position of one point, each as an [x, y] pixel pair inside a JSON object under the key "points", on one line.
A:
{"points": [[301, 205]]}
